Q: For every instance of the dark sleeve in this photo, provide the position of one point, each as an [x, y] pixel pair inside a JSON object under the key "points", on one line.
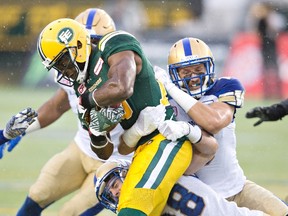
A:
{"points": [[2, 138], [284, 104]]}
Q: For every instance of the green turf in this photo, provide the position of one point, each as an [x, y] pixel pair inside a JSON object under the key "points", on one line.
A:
{"points": [[262, 150]]}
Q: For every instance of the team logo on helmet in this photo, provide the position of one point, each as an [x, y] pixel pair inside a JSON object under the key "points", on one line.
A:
{"points": [[65, 35]]}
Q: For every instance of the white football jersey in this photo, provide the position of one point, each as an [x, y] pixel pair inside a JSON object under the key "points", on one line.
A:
{"points": [[190, 196], [223, 173]]}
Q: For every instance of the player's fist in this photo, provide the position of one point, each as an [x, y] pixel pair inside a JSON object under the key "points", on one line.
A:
{"points": [[18, 124], [104, 119]]}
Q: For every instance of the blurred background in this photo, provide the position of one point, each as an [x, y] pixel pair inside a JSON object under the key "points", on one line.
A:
{"points": [[233, 30], [249, 40]]}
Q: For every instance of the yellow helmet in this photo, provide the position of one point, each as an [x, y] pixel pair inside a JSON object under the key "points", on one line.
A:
{"points": [[187, 52], [105, 177], [65, 38], [96, 21]]}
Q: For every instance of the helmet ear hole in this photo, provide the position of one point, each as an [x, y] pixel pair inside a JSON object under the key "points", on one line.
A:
{"points": [[79, 44]]}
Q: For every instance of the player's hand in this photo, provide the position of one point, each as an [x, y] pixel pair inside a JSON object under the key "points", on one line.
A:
{"points": [[264, 113], [18, 124], [105, 118], [174, 130], [149, 119], [113, 114], [11, 144], [162, 76]]}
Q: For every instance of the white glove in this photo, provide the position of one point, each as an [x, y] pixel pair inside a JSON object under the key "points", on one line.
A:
{"points": [[148, 121], [174, 130], [18, 124], [105, 118], [162, 76]]}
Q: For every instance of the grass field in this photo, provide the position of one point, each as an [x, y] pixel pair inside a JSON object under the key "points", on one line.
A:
{"points": [[262, 150]]}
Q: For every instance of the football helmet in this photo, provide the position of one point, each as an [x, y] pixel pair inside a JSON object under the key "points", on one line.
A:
{"points": [[106, 175], [96, 21], [187, 52], [64, 44]]}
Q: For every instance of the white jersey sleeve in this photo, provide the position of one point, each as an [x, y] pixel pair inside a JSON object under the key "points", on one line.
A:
{"points": [[192, 197]]}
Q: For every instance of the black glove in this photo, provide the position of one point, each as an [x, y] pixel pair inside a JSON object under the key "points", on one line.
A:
{"points": [[270, 113], [87, 100]]}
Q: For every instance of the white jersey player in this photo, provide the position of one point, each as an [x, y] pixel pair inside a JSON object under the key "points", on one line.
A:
{"points": [[189, 195], [211, 104]]}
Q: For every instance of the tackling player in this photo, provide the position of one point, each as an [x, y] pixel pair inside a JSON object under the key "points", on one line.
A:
{"points": [[211, 103], [74, 167], [189, 196]]}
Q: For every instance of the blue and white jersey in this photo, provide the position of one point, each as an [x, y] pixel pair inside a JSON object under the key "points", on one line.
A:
{"points": [[190, 196], [223, 173]]}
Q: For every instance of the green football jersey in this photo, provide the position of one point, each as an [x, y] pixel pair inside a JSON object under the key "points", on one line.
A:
{"points": [[147, 91]]}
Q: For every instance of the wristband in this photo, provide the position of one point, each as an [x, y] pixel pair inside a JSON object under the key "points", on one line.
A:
{"points": [[99, 147], [3, 139], [194, 134], [34, 126], [183, 99]]}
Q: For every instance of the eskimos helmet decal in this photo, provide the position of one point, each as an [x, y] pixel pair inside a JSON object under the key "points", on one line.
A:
{"points": [[65, 38]]}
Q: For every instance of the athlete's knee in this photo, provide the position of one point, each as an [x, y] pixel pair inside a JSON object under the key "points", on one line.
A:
{"points": [[39, 195]]}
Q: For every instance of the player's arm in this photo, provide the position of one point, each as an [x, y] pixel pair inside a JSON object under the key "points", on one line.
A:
{"points": [[212, 117], [204, 144], [269, 113], [101, 123], [53, 108], [120, 84], [147, 122]]}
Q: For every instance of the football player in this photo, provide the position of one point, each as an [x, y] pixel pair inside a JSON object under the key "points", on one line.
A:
{"points": [[73, 168], [117, 73], [16, 126], [211, 103], [189, 196], [269, 113]]}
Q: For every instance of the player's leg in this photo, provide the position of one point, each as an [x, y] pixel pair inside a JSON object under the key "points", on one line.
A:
{"points": [[254, 196], [61, 175], [155, 168], [84, 202]]}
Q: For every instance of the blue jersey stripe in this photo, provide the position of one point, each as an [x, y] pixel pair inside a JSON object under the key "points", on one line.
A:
{"points": [[90, 18], [187, 47]]}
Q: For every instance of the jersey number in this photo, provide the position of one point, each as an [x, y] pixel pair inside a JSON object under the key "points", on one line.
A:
{"points": [[185, 201]]}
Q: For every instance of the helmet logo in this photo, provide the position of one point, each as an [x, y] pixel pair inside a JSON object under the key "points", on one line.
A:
{"points": [[190, 57], [65, 35]]}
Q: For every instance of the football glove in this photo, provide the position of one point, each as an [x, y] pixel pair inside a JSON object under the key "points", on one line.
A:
{"points": [[105, 118], [11, 144], [269, 113], [18, 124], [174, 130], [162, 76], [148, 121]]}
